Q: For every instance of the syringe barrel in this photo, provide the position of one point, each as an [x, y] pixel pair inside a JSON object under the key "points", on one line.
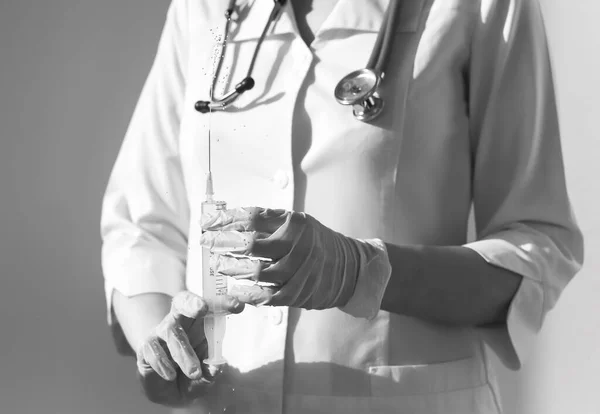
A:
{"points": [[214, 287]]}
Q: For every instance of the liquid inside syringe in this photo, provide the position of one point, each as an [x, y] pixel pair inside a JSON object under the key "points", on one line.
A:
{"points": [[214, 287]]}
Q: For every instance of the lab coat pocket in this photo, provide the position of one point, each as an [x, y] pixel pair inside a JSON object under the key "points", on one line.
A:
{"points": [[393, 380], [458, 386]]}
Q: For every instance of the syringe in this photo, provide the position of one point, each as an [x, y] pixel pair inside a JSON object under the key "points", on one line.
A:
{"points": [[214, 287]]}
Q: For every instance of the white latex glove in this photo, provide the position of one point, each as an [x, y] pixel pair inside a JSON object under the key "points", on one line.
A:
{"points": [[169, 361], [312, 266]]}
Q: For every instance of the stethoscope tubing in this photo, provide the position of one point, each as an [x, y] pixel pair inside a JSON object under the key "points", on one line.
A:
{"points": [[385, 38], [377, 61]]}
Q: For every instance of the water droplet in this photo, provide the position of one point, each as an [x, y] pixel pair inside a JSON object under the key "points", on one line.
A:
{"points": [[230, 409]]}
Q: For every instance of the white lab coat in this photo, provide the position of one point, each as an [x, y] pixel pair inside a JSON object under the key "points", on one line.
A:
{"points": [[469, 119]]}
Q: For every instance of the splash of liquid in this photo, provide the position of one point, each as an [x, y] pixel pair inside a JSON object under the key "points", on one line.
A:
{"points": [[216, 56]]}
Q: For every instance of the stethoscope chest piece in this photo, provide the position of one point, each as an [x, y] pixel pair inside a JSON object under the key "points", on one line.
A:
{"points": [[359, 89]]}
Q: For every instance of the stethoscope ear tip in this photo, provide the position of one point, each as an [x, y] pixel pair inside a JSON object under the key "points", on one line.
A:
{"points": [[202, 106], [245, 85]]}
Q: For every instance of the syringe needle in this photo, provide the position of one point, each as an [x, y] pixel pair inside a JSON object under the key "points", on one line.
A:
{"points": [[209, 182], [209, 146]]}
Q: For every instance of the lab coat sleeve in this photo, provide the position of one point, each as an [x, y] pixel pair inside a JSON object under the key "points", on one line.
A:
{"points": [[523, 216], [145, 211]]}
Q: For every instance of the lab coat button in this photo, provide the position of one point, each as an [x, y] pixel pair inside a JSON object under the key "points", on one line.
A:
{"points": [[281, 179], [276, 316]]}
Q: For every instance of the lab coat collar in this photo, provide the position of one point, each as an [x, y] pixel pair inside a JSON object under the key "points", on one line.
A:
{"points": [[368, 16], [362, 16], [252, 16]]}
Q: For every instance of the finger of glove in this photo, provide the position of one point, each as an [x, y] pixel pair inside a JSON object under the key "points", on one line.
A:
{"points": [[230, 241], [253, 294], [286, 239], [257, 245], [277, 273], [271, 248], [189, 305], [219, 219], [181, 350], [151, 357], [239, 267], [288, 255], [247, 219], [226, 304], [300, 273]]}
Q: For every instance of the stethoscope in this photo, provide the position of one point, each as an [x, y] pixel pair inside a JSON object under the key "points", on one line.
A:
{"points": [[358, 89]]}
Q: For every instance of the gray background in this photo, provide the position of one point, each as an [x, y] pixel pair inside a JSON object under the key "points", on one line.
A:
{"points": [[70, 73]]}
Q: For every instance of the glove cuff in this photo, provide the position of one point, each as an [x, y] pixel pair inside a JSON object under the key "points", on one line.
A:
{"points": [[373, 277]]}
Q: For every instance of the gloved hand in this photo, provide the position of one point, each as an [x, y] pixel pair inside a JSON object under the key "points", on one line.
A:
{"points": [[169, 362], [313, 266]]}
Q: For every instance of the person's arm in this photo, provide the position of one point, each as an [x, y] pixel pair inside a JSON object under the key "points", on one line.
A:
{"points": [[145, 213], [451, 285], [527, 239], [138, 315]]}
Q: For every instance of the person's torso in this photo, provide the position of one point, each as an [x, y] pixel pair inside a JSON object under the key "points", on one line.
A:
{"points": [[404, 177]]}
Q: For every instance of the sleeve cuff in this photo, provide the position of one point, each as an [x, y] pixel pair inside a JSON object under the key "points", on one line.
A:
{"points": [[135, 275], [513, 342], [372, 280], [142, 273]]}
